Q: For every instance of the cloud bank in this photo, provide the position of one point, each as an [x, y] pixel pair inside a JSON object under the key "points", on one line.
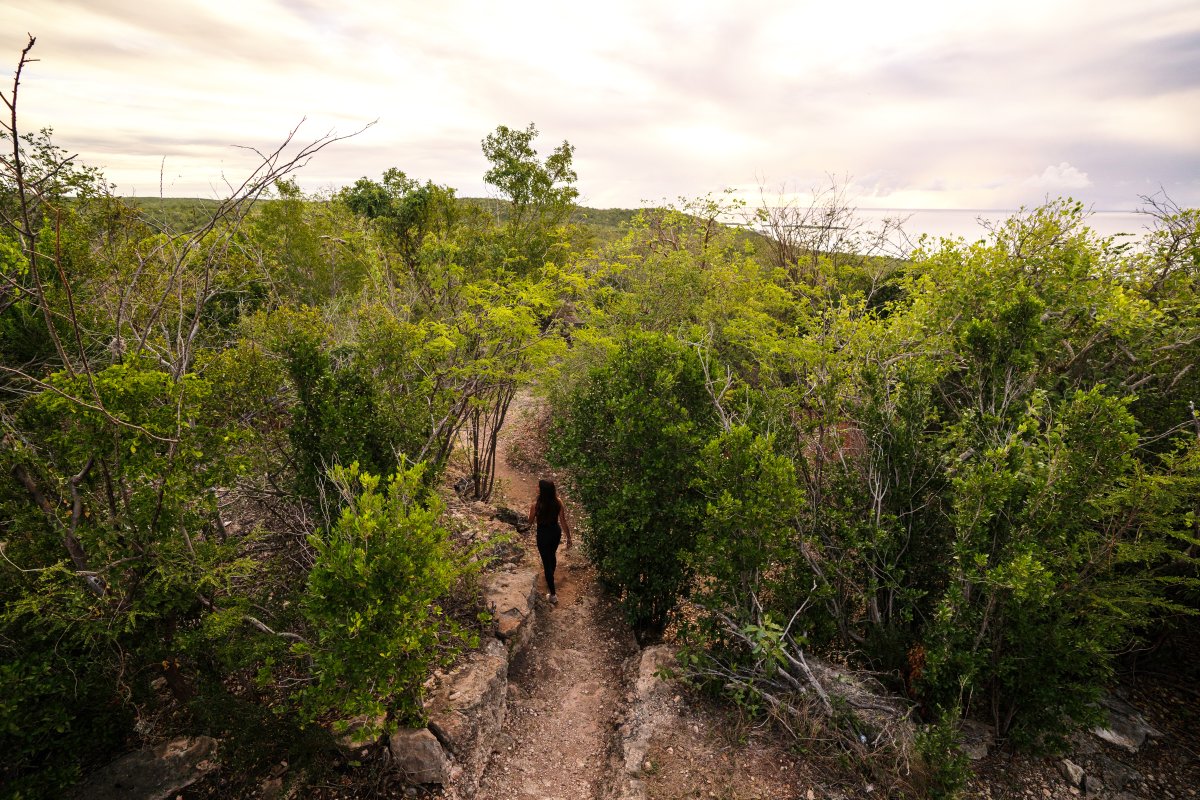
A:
{"points": [[925, 104]]}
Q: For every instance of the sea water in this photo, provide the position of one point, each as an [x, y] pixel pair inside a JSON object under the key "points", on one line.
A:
{"points": [[970, 224]]}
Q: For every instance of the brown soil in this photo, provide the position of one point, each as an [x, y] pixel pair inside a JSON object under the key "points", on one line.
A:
{"points": [[707, 753], [564, 695]]}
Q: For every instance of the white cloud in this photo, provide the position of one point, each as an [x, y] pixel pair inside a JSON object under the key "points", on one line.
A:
{"points": [[1059, 177]]}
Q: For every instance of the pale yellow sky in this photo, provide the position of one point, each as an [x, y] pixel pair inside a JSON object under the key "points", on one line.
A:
{"points": [[923, 104]]}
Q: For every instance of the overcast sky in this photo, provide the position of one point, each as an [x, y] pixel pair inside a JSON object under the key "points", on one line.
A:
{"points": [[954, 104]]}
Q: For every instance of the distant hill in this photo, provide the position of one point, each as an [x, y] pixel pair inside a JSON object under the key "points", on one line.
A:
{"points": [[174, 213], [606, 224], [186, 213]]}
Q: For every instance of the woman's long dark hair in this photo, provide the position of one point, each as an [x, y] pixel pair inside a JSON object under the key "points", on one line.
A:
{"points": [[547, 503]]}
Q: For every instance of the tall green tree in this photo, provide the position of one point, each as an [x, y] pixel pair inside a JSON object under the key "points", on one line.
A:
{"points": [[406, 210], [541, 195]]}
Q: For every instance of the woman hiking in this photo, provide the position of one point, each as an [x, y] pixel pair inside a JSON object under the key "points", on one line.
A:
{"points": [[551, 517]]}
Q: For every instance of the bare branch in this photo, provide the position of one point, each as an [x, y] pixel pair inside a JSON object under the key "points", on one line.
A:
{"points": [[70, 540], [261, 626]]}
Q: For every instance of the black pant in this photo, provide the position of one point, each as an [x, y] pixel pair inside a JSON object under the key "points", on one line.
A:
{"points": [[548, 539]]}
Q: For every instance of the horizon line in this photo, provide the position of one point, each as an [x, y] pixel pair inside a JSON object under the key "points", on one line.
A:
{"points": [[635, 208]]}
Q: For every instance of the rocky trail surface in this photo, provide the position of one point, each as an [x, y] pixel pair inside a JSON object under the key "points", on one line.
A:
{"points": [[564, 694], [565, 691]]}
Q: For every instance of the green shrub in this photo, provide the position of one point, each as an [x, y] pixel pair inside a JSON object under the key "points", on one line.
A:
{"points": [[946, 768], [372, 600], [334, 420], [80, 641], [57, 709], [631, 434], [749, 526]]}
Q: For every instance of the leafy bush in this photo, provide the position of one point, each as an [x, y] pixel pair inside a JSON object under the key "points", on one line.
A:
{"points": [[631, 435], [372, 600], [945, 768], [334, 421], [114, 554], [748, 530], [56, 686], [1024, 537]]}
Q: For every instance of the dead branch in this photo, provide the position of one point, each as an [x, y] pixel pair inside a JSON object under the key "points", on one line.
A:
{"points": [[24, 222], [254, 622]]}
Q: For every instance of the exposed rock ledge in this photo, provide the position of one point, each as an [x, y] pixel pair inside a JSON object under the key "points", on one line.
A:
{"points": [[651, 709], [467, 714], [1126, 728], [510, 595], [466, 709]]}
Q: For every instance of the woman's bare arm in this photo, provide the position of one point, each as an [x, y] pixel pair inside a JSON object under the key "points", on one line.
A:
{"points": [[562, 518], [532, 510]]}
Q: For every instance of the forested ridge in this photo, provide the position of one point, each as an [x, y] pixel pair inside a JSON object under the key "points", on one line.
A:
{"points": [[969, 467]]}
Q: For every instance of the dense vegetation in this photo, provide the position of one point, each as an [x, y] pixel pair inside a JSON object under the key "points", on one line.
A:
{"points": [[983, 483], [974, 465]]}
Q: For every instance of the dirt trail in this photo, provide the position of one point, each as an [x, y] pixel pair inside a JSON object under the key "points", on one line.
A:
{"points": [[565, 688]]}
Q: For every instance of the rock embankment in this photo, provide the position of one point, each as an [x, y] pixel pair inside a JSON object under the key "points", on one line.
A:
{"points": [[467, 707], [651, 708], [565, 693]]}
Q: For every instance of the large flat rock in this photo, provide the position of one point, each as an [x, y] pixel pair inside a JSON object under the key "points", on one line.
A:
{"points": [[155, 773], [1126, 728], [510, 593], [419, 757]]}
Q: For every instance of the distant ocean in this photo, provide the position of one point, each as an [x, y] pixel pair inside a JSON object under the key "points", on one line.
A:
{"points": [[965, 222]]}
